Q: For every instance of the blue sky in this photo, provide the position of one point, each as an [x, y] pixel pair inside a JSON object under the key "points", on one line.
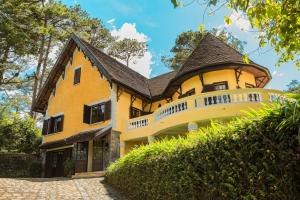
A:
{"points": [[159, 23]]}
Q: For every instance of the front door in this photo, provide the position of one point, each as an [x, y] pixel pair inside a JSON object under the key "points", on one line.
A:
{"points": [[98, 155], [81, 152]]}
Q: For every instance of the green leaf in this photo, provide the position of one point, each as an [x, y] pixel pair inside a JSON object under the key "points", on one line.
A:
{"points": [[201, 28], [246, 59], [227, 20]]}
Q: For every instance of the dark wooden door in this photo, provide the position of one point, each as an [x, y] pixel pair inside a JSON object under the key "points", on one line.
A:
{"points": [[98, 155], [81, 156]]}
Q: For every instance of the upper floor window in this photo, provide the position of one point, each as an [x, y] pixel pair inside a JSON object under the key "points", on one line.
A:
{"points": [[53, 125], [188, 93], [97, 113], [134, 112], [221, 85], [248, 85], [77, 74], [215, 86]]}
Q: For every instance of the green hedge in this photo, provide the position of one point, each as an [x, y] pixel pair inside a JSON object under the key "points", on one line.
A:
{"points": [[255, 157]]}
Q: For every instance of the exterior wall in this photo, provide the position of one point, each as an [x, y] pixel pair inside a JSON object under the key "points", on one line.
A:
{"points": [[246, 77], [69, 99], [221, 75], [122, 110]]}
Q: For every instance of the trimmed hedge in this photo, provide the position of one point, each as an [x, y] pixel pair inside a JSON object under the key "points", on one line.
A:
{"points": [[254, 157]]}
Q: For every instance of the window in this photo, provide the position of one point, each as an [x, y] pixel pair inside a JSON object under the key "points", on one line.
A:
{"points": [[77, 74], [135, 112], [53, 125], [97, 113], [221, 85], [216, 86], [248, 85], [188, 93]]}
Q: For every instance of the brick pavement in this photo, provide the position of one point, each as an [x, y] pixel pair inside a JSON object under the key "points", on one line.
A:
{"points": [[56, 189]]}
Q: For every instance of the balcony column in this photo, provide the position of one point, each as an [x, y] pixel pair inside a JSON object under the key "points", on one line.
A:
{"points": [[151, 139], [90, 156], [192, 126]]}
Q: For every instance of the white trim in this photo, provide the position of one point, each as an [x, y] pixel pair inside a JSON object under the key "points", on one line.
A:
{"points": [[113, 92], [58, 148], [98, 102], [79, 66]]}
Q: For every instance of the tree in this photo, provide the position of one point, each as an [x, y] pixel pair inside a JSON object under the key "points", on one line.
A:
{"points": [[294, 87], [186, 42], [59, 21], [127, 50], [18, 34], [278, 23]]}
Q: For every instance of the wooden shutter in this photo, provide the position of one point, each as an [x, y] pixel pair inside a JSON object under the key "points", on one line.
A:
{"points": [[51, 125], [45, 127], [61, 128], [107, 110], [87, 114]]}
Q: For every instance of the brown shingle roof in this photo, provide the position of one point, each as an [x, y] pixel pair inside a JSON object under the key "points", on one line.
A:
{"points": [[210, 53], [158, 84]]}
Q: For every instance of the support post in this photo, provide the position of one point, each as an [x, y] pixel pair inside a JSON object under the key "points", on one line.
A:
{"points": [[90, 156]]}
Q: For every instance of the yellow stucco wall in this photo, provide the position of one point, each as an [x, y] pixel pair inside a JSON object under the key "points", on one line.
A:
{"points": [[70, 99]]}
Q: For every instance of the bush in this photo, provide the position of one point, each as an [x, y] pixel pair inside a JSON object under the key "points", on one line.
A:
{"points": [[254, 157], [35, 169], [69, 167]]}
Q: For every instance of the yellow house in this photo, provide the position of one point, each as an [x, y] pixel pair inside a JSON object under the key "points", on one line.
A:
{"points": [[96, 109]]}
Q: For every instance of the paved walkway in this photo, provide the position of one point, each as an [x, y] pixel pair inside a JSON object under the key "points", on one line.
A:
{"points": [[56, 189]]}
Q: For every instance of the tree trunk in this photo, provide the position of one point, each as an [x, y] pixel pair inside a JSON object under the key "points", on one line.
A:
{"points": [[38, 71], [45, 64], [3, 60], [37, 74]]}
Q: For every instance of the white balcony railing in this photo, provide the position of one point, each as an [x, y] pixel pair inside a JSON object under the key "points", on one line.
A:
{"points": [[170, 109], [209, 99]]}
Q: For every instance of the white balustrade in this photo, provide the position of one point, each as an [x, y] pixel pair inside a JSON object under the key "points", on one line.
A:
{"points": [[206, 100], [275, 97], [227, 98], [171, 109], [138, 123]]}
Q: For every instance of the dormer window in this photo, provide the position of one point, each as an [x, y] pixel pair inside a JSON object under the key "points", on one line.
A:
{"points": [[77, 74]]}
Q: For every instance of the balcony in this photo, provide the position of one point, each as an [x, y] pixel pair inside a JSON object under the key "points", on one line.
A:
{"points": [[175, 116]]}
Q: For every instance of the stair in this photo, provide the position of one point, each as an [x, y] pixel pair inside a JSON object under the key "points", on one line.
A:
{"points": [[89, 174]]}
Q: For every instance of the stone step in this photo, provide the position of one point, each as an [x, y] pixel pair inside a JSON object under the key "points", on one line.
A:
{"points": [[89, 174]]}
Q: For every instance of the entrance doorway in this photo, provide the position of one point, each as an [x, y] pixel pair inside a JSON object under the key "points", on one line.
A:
{"points": [[81, 156], [98, 155], [55, 162]]}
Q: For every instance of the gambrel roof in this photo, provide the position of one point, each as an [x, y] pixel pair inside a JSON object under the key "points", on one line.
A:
{"points": [[211, 54]]}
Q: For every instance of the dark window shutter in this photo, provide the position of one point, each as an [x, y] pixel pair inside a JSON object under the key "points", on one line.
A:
{"points": [[107, 110], [61, 128], [51, 125], [45, 127], [87, 114]]}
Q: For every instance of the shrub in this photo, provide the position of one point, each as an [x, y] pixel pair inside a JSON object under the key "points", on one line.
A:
{"points": [[254, 157], [35, 169], [69, 167]]}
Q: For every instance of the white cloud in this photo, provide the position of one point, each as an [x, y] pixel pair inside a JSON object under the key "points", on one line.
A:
{"points": [[128, 30], [141, 65], [111, 21], [277, 74], [239, 21]]}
